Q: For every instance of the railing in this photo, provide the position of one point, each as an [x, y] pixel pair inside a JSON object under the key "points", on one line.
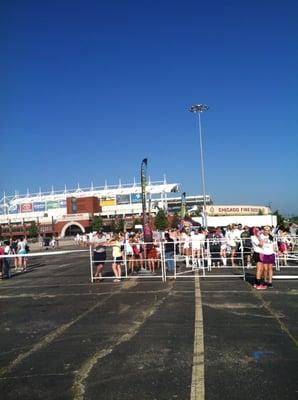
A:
{"points": [[209, 259], [180, 259]]}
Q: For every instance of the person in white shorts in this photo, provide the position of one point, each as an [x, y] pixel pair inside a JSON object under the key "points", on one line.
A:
{"points": [[197, 245]]}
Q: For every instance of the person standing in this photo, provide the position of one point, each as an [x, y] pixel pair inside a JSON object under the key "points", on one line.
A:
{"points": [[233, 238], [246, 246], [169, 252], [293, 235], [99, 253], [117, 257], [6, 261], [14, 250], [257, 250], [197, 247], [283, 245], [185, 243], [22, 244], [214, 238], [267, 255], [128, 253]]}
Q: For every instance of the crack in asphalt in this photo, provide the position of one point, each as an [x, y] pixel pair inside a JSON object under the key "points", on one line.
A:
{"points": [[276, 315], [49, 338], [81, 375]]}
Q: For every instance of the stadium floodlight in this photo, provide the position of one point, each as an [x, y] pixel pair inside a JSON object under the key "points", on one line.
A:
{"points": [[198, 109]]}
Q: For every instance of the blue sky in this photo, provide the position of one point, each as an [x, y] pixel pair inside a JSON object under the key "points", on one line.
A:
{"points": [[90, 88]]}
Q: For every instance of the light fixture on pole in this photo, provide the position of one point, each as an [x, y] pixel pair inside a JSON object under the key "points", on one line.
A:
{"points": [[198, 109]]}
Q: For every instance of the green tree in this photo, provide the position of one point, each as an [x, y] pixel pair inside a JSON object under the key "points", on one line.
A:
{"points": [[107, 228], [175, 221], [121, 225], [280, 219], [96, 223], [113, 226], [33, 230], [161, 221]]}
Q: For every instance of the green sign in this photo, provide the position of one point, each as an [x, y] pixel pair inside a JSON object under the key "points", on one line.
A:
{"points": [[52, 204]]}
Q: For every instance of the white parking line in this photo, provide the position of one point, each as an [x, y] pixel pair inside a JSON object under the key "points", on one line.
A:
{"points": [[197, 380]]}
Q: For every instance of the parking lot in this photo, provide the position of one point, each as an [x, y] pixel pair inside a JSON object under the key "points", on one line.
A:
{"points": [[63, 337]]}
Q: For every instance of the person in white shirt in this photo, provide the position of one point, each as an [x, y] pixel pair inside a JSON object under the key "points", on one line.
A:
{"points": [[293, 236], [90, 237], [185, 244], [267, 255], [128, 253], [197, 241], [22, 250], [85, 240], [77, 239], [233, 239], [257, 251]]}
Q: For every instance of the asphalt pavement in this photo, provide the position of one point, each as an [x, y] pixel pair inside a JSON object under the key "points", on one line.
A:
{"points": [[63, 337]]}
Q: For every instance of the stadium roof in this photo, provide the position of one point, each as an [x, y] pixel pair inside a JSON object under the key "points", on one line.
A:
{"points": [[101, 191]]}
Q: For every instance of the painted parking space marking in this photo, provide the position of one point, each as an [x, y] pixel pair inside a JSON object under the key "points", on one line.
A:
{"points": [[197, 380]]}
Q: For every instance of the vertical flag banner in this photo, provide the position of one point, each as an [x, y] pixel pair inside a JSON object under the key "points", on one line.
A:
{"points": [[147, 231], [143, 187], [183, 205]]}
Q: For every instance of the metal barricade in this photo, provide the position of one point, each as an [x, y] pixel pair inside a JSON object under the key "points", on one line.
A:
{"points": [[132, 266]]}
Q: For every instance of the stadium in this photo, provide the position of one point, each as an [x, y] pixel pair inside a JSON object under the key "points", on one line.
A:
{"points": [[65, 212]]}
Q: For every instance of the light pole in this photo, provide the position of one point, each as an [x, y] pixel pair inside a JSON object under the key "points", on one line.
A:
{"points": [[198, 109]]}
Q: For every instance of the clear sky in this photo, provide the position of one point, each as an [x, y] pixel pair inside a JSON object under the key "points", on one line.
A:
{"points": [[90, 88]]}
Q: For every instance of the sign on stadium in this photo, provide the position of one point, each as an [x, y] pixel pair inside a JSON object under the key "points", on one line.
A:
{"points": [[238, 210]]}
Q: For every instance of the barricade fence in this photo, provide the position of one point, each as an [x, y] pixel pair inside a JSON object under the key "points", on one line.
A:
{"points": [[179, 259], [20, 262]]}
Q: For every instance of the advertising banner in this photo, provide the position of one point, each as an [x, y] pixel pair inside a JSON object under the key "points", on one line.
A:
{"points": [[39, 206], [238, 210], [122, 199], [136, 198], [13, 209], [108, 201], [26, 207], [52, 204], [62, 203]]}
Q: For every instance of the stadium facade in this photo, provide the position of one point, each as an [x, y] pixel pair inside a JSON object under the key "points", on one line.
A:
{"points": [[58, 212]]}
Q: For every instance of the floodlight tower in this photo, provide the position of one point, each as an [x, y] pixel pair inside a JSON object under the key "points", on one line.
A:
{"points": [[198, 109]]}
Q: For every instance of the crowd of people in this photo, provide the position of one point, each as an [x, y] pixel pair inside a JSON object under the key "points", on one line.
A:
{"points": [[233, 246], [217, 247], [17, 247]]}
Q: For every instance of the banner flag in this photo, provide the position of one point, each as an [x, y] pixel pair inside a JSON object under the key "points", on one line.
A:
{"points": [[183, 205], [147, 231], [143, 187]]}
